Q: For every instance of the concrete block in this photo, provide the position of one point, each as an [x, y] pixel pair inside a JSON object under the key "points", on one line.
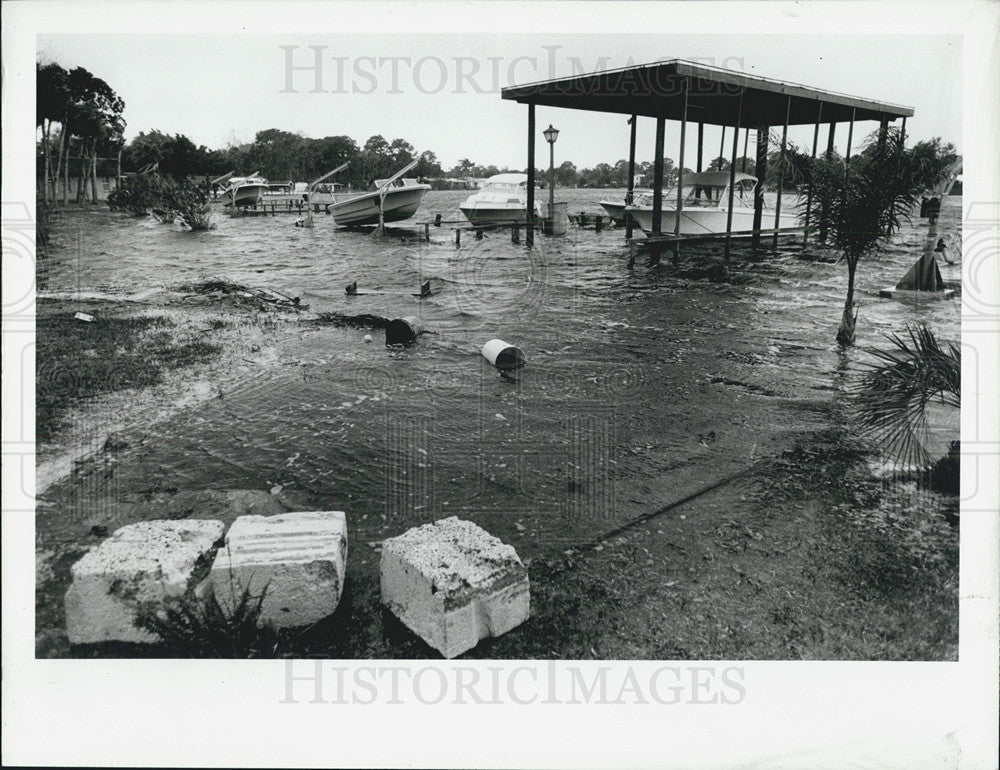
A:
{"points": [[453, 583], [301, 559], [144, 562]]}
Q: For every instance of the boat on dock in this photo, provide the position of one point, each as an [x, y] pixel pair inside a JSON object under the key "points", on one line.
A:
{"points": [[245, 191], [706, 207], [392, 200], [503, 199]]}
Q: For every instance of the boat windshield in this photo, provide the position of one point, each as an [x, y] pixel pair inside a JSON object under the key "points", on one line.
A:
{"points": [[712, 196]]}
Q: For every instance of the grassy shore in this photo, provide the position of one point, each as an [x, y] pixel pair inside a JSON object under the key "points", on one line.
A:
{"points": [[77, 360]]}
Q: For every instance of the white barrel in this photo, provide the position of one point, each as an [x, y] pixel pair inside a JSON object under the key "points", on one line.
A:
{"points": [[403, 331], [503, 355]]}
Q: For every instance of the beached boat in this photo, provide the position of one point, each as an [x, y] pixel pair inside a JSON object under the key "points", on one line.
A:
{"points": [[503, 199], [393, 200], [616, 207], [706, 207], [244, 191]]}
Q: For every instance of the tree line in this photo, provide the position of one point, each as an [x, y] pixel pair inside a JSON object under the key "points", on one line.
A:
{"points": [[81, 120]]}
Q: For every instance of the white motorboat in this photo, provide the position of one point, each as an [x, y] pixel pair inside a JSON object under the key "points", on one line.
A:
{"points": [[244, 191], [393, 200], [616, 208], [503, 199], [706, 207]]}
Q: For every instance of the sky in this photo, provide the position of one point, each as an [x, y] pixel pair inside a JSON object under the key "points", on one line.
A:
{"points": [[441, 92]]}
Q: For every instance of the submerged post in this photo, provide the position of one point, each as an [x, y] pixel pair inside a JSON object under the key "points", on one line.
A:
{"points": [[658, 179], [781, 174], [758, 190], [812, 171], [629, 196], [732, 176], [529, 231]]}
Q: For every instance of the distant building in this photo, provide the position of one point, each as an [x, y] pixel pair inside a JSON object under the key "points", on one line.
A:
{"points": [[107, 177]]}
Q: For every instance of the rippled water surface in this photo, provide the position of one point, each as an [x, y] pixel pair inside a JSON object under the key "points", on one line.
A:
{"points": [[641, 385]]}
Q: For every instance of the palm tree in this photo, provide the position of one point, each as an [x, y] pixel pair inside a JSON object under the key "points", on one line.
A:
{"points": [[863, 204], [892, 396]]}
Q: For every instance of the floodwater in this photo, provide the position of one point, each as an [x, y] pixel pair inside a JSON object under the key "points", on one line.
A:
{"points": [[641, 386]]}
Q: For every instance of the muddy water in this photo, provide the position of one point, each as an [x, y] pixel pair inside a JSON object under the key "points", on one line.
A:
{"points": [[641, 385]]}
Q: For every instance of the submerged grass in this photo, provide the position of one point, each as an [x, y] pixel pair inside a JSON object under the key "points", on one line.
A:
{"points": [[77, 360]]}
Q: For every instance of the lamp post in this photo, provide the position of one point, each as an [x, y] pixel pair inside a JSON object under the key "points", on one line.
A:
{"points": [[551, 134]]}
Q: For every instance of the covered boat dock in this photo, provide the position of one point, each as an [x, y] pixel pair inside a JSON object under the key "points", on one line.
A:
{"points": [[689, 92]]}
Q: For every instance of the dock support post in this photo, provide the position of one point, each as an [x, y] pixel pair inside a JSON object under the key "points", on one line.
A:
{"points": [[701, 142], [630, 195], [758, 190], [458, 237], [658, 178], [781, 173], [529, 232], [732, 178], [850, 136], [823, 212], [812, 170], [515, 234], [680, 176], [698, 160], [427, 231], [883, 131]]}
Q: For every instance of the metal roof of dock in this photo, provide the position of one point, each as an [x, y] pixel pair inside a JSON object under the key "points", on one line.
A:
{"points": [[657, 90]]}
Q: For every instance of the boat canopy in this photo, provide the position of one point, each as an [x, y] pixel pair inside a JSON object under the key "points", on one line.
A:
{"points": [[716, 179]]}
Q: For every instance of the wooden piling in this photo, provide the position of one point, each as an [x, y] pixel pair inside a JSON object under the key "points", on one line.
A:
{"points": [[658, 179], [781, 172], [458, 237], [630, 194], [529, 231], [823, 212], [809, 191], [732, 179], [758, 192], [680, 174], [850, 136]]}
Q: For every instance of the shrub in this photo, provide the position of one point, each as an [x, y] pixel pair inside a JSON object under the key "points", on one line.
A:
{"points": [[203, 628]]}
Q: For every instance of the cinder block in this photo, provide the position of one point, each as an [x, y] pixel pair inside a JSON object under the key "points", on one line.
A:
{"points": [[300, 558], [453, 583], [144, 562]]}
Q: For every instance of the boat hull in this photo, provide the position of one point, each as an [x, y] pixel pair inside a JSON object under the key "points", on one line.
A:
{"points": [[400, 203], [615, 209], [696, 221], [245, 195]]}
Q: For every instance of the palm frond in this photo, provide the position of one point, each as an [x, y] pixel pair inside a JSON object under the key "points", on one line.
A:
{"points": [[891, 398]]}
